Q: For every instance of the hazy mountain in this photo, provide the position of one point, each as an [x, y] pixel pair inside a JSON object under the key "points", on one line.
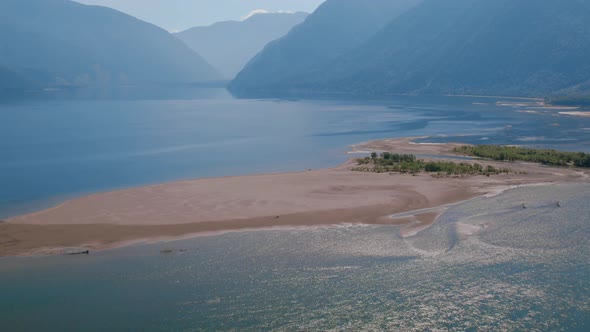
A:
{"points": [[492, 47], [63, 43], [335, 28], [228, 46]]}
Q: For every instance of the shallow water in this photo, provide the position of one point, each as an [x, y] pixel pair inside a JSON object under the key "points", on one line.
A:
{"points": [[487, 264], [54, 150]]}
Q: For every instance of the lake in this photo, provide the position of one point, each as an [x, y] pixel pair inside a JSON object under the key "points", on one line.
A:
{"points": [[486, 263], [54, 150]]}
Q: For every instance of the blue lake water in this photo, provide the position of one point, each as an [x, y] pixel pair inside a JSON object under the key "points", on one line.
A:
{"points": [[487, 263], [51, 151]]}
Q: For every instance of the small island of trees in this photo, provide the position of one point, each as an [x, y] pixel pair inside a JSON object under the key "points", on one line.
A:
{"points": [[387, 162], [513, 153]]}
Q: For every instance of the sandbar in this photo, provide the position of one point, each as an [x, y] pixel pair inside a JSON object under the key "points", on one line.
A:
{"points": [[301, 199]]}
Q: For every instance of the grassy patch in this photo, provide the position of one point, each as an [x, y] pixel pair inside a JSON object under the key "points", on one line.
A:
{"points": [[408, 164], [512, 153]]}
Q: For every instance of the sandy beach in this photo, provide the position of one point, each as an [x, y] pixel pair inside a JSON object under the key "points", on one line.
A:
{"points": [[319, 197]]}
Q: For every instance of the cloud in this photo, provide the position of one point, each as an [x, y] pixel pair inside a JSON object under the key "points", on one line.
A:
{"points": [[264, 11]]}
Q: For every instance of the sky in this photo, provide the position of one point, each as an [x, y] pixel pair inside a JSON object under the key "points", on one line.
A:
{"points": [[178, 15]]}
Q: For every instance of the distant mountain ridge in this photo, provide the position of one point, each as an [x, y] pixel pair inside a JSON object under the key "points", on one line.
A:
{"points": [[489, 47], [229, 45], [59, 43], [335, 28]]}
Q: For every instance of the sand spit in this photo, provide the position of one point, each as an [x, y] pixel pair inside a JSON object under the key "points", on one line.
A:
{"points": [[323, 197]]}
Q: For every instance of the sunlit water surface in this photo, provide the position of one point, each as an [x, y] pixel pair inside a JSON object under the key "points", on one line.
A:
{"points": [[487, 265]]}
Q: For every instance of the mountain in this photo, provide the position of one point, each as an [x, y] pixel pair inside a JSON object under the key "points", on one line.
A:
{"points": [[489, 47], [501, 47], [335, 28], [53, 43], [228, 46]]}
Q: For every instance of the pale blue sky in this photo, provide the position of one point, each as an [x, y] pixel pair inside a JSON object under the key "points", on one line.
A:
{"points": [[175, 15]]}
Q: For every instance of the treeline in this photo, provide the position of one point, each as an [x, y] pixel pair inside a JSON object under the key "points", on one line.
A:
{"points": [[408, 164], [513, 153]]}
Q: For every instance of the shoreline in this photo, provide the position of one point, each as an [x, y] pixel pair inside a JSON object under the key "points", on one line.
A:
{"points": [[53, 202], [122, 236], [326, 197]]}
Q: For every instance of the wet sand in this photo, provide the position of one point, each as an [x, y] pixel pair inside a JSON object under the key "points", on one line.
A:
{"points": [[323, 197]]}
